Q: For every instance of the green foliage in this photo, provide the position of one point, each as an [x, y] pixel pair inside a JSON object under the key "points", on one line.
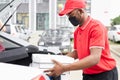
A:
{"points": [[116, 21]]}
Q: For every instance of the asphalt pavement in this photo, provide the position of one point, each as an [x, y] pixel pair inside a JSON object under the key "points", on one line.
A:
{"points": [[115, 49]]}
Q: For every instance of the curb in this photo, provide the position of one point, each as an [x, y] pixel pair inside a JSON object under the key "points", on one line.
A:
{"points": [[115, 52]]}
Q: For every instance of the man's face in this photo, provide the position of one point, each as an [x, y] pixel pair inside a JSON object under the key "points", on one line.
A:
{"points": [[76, 17]]}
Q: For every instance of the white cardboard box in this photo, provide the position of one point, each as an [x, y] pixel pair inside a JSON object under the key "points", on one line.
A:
{"points": [[44, 58], [44, 61]]}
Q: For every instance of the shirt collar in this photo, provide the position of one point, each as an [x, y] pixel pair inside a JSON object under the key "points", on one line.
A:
{"points": [[86, 23]]}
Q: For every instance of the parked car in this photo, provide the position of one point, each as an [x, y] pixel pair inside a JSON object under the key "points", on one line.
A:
{"points": [[70, 29], [114, 33], [18, 30], [55, 38], [17, 51], [18, 56]]}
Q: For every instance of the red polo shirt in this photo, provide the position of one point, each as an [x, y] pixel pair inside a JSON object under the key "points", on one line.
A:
{"points": [[93, 34]]}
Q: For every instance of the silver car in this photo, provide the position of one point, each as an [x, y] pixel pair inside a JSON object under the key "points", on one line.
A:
{"points": [[56, 38]]}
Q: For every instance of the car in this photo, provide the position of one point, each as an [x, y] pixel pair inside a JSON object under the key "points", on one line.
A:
{"points": [[18, 50], [18, 30], [15, 49], [18, 72], [114, 33], [18, 56], [56, 38], [70, 29]]}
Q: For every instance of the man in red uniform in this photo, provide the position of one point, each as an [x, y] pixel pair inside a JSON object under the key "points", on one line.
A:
{"points": [[91, 46]]}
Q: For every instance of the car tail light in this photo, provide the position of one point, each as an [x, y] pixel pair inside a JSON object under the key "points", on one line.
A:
{"points": [[40, 77], [118, 33]]}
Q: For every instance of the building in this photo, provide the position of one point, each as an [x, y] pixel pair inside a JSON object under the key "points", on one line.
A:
{"points": [[34, 14], [41, 14]]}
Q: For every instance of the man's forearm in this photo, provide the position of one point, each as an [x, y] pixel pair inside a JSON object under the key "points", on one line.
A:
{"points": [[73, 54]]}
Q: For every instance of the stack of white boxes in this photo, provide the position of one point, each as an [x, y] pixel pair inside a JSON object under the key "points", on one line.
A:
{"points": [[44, 61]]}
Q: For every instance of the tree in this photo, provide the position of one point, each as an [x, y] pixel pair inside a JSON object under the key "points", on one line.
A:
{"points": [[116, 21]]}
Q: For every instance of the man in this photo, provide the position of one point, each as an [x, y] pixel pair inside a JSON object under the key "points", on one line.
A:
{"points": [[91, 46]]}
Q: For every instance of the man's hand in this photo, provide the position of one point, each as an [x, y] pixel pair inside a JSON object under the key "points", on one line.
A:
{"points": [[57, 70]]}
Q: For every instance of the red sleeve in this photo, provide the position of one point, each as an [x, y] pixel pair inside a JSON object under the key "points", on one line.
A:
{"points": [[97, 37], [75, 38]]}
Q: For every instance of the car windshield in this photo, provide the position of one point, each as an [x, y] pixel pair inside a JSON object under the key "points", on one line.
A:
{"points": [[71, 29], [55, 33]]}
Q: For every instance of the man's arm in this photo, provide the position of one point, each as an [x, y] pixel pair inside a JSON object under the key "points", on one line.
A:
{"points": [[91, 60], [73, 54]]}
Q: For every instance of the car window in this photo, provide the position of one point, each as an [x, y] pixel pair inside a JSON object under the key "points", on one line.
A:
{"points": [[17, 29], [8, 29], [22, 29], [55, 33], [7, 43], [113, 28], [71, 29]]}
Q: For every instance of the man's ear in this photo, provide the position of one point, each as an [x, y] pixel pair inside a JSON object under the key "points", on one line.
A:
{"points": [[79, 13], [81, 10]]}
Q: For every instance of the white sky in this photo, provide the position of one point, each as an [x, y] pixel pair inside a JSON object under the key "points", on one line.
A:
{"points": [[114, 8], [105, 10]]}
